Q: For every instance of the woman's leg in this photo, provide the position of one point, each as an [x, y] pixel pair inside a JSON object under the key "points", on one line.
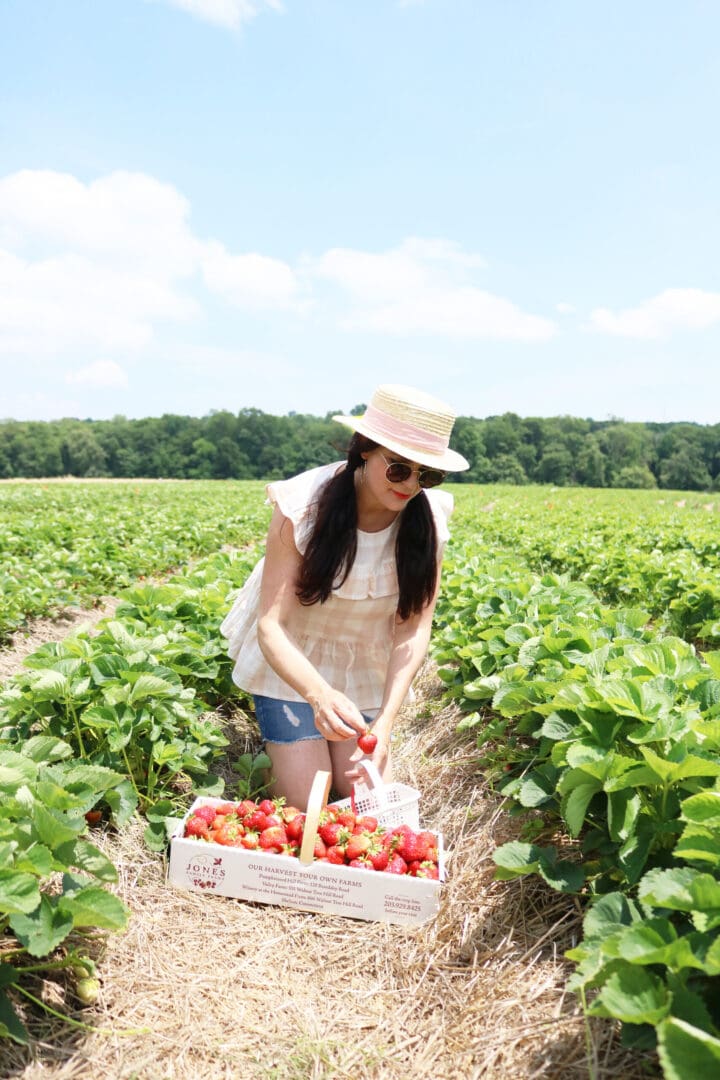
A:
{"points": [[340, 753], [294, 766]]}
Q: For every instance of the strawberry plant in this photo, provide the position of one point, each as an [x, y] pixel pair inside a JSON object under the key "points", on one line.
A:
{"points": [[44, 796]]}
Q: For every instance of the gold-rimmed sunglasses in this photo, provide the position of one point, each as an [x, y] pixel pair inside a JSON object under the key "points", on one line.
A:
{"points": [[397, 472]]}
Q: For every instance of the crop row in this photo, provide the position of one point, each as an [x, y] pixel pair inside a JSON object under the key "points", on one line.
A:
{"points": [[594, 725], [105, 723], [659, 552], [68, 544]]}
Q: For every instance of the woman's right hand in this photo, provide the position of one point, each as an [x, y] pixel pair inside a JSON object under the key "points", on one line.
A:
{"points": [[336, 717]]}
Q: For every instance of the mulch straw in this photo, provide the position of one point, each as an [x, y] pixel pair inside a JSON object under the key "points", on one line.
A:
{"points": [[209, 987]]}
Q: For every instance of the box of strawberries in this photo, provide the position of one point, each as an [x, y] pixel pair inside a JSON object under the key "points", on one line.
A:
{"points": [[364, 857]]}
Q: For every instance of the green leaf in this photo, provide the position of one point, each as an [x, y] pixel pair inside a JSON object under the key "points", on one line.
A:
{"points": [[19, 893], [93, 906], [609, 914], [151, 686], [11, 1027], [122, 801], [687, 1052], [623, 810], [703, 808], [91, 860], [15, 770], [574, 806], [53, 829], [515, 859], [46, 748], [633, 995], [43, 929]]}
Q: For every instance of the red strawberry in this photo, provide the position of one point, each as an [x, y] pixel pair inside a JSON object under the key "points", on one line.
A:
{"points": [[335, 855], [424, 870], [346, 817], [228, 834], [226, 808], [268, 806], [366, 823], [273, 839], [251, 841], [245, 807], [357, 845], [379, 858], [330, 831], [320, 849], [361, 863], [206, 812], [397, 865], [412, 848], [257, 821], [367, 742], [197, 827], [295, 827]]}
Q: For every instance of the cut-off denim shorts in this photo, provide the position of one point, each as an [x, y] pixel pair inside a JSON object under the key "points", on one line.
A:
{"points": [[290, 721]]}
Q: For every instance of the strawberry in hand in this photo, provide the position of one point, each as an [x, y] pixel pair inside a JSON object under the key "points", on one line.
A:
{"points": [[367, 742]]}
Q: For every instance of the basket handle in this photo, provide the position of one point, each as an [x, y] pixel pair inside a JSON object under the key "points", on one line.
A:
{"points": [[317, 799], [376, 783]]}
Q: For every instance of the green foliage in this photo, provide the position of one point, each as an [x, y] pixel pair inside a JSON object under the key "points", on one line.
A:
{"points": [[600, 729]]}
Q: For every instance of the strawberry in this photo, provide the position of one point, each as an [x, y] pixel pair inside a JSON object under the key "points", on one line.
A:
{"points": [[346, 817], [93, 817], [397, 865], [295, 827], [412, 848], [379, 857], [257, 821], [197, 827], [250, 841], [268, 806], [365, 823], [335, 855], [358, 844], [367, 742], [424, 870], [206, 812], [330, 831], [361, 863], [245, 807], [228, 834], [320, 849], [226, 808], [273, 838]]}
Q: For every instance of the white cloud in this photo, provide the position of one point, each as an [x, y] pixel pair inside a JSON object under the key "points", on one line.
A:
{"points": [[100, 265], [105, 373], [658, 317], [564, 309], [422, 287], [228, 13], [249, 281]]}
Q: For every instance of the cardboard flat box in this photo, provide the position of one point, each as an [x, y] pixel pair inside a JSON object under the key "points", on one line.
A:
{"points": [[284, 880]]}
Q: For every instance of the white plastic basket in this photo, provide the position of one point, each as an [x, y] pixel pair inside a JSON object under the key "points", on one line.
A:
{"points": [[392, 804]]}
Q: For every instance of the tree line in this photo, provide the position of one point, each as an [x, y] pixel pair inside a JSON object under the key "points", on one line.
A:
{"points": [[251, 444]]}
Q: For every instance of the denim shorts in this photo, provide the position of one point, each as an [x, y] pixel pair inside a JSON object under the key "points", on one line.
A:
{"points": [[290, 721]]}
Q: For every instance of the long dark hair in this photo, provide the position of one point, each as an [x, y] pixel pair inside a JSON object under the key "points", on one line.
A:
{"points": [[332, 547]]}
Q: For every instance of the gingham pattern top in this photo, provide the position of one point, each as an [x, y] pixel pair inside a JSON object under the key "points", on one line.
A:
{"points": [[348, 639]]}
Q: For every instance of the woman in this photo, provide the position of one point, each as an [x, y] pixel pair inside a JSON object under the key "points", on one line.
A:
{"points": [[333, 624]]}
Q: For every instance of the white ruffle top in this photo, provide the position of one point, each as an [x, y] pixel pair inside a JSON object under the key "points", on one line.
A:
{"points": [[349, 637]]}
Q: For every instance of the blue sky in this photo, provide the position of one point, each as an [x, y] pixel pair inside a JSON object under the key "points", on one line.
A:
{"points": [[223, 204]]}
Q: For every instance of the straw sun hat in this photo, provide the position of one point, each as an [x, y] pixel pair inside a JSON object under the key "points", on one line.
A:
{"points": [[412, 424]]}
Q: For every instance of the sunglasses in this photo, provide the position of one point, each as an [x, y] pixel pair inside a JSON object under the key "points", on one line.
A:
{"points": [[397, 472]]}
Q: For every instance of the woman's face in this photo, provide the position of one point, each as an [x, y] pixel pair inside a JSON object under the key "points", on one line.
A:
{"points": [[375, 482]]}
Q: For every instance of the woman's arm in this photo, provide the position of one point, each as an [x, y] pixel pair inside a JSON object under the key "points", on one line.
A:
{"points": [[336, 716]]}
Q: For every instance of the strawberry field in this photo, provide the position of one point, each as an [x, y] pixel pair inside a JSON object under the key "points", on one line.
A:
{"points": [[568, 747]]}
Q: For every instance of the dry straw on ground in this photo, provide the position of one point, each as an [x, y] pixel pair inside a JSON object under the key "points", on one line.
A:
{"points": [[211, 988]]}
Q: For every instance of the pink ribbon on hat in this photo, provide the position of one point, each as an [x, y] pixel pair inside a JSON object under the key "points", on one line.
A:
{"points": [[401, 431]]}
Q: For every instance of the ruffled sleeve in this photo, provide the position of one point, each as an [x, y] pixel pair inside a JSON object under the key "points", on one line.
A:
{"points": [[297, 499]]}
